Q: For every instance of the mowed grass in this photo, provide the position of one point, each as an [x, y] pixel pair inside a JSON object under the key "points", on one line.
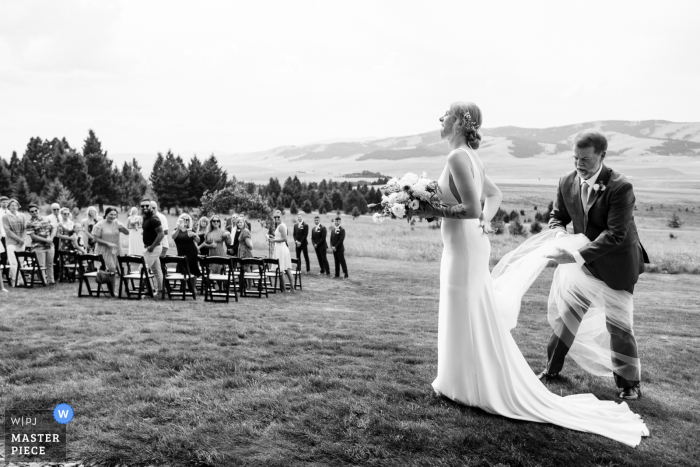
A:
{"points": [[338, 374]]}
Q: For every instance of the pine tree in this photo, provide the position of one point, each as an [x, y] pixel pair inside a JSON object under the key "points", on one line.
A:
{"points": [[65, 199], [355, 199], [170, 181], [355, 213], [293, 208], [22, 192], [99, 167], [15, 170], [5, 179], [76, 178], [535, 228], [196, 188], [306, 207], [336, 200], [273, 188], [213, 178], [52, 191], [137, 185], [31, 175], [326, 204]]}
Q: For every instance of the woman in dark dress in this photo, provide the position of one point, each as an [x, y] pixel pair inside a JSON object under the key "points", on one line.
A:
{"points": [[201, 230], [186, 242]]}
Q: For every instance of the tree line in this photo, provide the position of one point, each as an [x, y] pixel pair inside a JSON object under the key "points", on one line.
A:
{"points": [[52, 171]]}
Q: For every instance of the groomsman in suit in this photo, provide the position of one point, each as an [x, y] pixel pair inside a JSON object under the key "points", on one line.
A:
{"points": [[599, 202], [301, 238], [318, 239], [337, 244]]}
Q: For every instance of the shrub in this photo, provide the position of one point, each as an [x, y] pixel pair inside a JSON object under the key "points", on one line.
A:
{"points": [[522, 212], [306, 207], [514, 216], [535, 228], [675, 221], [539, 217], [355, 213], [516, 228], [293, 208], [499, 227]]}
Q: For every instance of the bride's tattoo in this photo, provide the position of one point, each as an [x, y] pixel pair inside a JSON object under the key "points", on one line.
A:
{"points": [[457, 211]]}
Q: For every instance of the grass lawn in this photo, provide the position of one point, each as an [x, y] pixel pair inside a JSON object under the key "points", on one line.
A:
{"points": [[338, 374]]}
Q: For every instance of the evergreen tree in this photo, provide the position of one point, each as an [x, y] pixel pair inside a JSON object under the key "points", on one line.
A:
{"points": [[293, 208], [22, 192], [273, 188], [306, 207], [15, 170], [355, 212], [326, 204], [5, 179], [196, 189], [52, 191], [99, 167], [355, 199], [76, 178], [31, 175], [535, 228], [336, 200], [313, 199], [213, 178], [170, 181], [65, 199], [138, 184], [251, 188]]}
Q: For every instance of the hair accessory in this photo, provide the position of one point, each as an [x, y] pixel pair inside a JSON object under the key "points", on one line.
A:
{"points": [[468, 123]]}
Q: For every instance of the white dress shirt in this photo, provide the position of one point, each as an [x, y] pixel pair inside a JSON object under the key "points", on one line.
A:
{"points": [[164, 223], [590, 182]]}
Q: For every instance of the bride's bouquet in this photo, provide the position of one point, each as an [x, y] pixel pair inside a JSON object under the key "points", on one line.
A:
{"points": [[401, 196]]}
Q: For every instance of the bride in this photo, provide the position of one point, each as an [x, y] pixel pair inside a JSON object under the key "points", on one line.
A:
{"points": [[479, 363]]}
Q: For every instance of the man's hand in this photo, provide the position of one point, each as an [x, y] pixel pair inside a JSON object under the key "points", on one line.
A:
{"points": [[298, 243], [333, 248], [562, 257], [150, 249]]}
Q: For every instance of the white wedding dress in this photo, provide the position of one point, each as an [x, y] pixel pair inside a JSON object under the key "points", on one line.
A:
{"points": [[479, 363]]}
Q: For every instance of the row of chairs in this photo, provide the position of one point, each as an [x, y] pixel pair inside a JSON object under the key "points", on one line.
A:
{"points": [[222, 278]]}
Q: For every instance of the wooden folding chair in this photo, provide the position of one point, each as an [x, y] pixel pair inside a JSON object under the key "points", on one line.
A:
{"points": [[296, 273], [218, 285], [67, 265], [133, 268], [177, 279], [256, 275], [4, 268], [272, 269], [87, 269], [29, 268]]}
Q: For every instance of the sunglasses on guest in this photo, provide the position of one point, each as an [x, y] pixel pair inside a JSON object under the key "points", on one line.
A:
{"points": [[33, 211]]}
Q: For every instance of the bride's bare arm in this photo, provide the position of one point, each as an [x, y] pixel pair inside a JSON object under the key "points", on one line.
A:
{"points": [[493, 199], [463, 176]]}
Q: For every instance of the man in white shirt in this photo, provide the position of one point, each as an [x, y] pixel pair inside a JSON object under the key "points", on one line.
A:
{"points": [[54, 219], [164, 223]]}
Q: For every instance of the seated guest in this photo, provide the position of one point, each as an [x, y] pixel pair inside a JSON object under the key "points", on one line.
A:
{"points": [[15, 225], [87, 225], [40, 231], [186, 243], [66, 233], [134, 223], [107, 239]]}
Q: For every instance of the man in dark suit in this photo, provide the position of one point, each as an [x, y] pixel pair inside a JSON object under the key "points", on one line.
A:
{"points": [[337, 244], [600, 204], [318, 239], [231, 226], [301, 239]]}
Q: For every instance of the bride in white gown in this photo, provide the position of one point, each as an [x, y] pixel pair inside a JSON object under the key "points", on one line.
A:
{"points": [[479, 363]]}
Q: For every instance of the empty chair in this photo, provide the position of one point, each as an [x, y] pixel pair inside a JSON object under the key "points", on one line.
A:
{"points": [[29, 268], [272, 269], [177, 279], [296, 272], [218, 286], [131, 269], [253, 269], [88, 267], [67, 265]]}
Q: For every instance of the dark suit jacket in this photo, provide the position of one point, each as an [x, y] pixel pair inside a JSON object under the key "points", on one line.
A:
{"points": [[319, 238], [615, 254], [301, 234], [337, 239]]}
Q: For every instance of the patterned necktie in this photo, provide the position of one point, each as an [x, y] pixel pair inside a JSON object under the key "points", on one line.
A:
{"points": [[585, 193]]}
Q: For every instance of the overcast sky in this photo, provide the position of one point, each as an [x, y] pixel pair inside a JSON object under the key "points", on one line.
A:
{"points": [[238, 76]]}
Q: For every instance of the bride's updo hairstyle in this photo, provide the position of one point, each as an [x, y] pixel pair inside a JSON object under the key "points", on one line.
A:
{"points": [[468, 116]]}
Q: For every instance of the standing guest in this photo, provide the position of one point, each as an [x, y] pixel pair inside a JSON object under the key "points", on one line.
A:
{"points": [[245, 242], [301, 239], [318, 239], [281, 251], [134, 223], [163, 222], [39, 230], [15, 225], [232, 228], [87, 225], [152, 242], [66, 233], [107, 239], [202, 229], [54, 218], [2, 252], [186, 243], [217, 240], [4, 200], [337, 244]]}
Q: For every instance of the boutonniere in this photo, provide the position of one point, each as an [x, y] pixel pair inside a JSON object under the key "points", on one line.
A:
{"points": [[599, 187]]}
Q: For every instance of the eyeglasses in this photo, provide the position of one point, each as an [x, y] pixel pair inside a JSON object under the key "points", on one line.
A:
{"points": [[144, 206], [56, 209], [216, 221], [276, 217], [33, 212]]}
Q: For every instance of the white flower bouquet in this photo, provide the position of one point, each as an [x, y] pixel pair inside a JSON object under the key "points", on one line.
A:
{"points": [[401, 196]]}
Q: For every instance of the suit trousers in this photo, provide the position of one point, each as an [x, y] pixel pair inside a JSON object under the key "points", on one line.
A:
{"points": [[339, 259], [621, 342], [304, 248], [321, 254]]}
